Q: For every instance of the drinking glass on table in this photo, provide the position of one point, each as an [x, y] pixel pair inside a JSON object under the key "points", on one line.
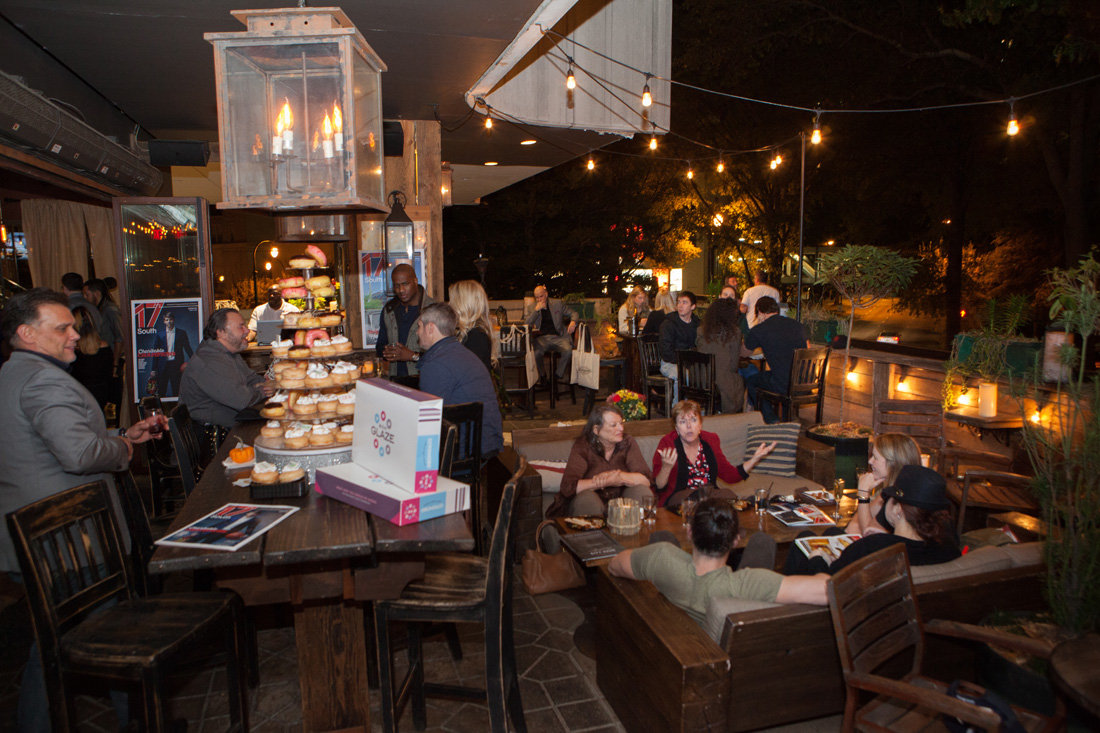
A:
{"points": [[838, 495], [687, 509], [762, 500], [156, 428], [649, 509]]}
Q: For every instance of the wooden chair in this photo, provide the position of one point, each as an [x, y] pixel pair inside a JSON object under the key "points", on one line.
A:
{"points": [[185, 446], [141, 537], [654, 384], [991, 492], [165, 489], [448, 439], [91, 621], [806, 385], [459, 588], [879, 630], [696, 372], [466, 463], [514, 343]]}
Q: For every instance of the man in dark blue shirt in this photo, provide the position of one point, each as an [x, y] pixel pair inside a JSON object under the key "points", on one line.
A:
{"points": [[451, 371], [778, 336]]}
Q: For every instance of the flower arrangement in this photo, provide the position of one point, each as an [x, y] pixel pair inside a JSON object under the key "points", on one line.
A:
{"points": [[631, 404]]}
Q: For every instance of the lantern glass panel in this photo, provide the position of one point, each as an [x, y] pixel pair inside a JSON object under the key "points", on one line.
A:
{"points": [[290, 131]]}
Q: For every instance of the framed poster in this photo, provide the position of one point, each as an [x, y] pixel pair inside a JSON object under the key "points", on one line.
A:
{"points": [[166, 333]]}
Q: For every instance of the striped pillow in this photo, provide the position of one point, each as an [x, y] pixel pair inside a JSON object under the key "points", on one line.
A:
{"points": [[781, 461]]}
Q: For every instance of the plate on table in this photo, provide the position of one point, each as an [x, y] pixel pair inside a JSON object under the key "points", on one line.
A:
{"points": [[232, 465], [583, 523], [817, 497]]}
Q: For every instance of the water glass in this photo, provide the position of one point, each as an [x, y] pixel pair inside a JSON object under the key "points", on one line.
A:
{"points": [[649, 509], [687, 509], [762, 500]]}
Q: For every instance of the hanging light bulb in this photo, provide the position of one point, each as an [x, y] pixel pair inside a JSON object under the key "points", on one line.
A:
{"points": [[721, 166], [690, 172], [815, 138], [488, 122], [778, 159], [591, 163], [1013, 125], [653, 142], [570, 78], [647, 98]]}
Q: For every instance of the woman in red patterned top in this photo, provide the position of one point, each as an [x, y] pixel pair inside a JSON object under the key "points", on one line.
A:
{"points": [[689, 445]]}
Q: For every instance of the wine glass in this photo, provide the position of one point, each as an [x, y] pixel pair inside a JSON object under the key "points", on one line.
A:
{"points": [[156, 428], [838, 495]]}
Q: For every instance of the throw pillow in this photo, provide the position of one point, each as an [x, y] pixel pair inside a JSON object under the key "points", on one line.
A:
{"points": [[781, 461], [551, 473]]}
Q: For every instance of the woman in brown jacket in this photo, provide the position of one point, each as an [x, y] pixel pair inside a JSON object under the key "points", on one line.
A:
{"points": [[604, 464]]}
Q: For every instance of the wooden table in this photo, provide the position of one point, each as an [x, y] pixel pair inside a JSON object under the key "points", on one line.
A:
{"points": [[748, 520], [1073, 666], [323, 560], [1001, 427]]}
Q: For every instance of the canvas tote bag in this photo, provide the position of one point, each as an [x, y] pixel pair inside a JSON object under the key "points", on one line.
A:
{"points": [[586, 362]]}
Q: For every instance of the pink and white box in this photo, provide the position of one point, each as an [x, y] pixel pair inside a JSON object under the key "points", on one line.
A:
{"points": [[362, 488], [397, 433]]}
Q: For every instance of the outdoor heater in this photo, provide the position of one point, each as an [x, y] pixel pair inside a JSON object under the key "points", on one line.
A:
{"points": [[299, 112]]}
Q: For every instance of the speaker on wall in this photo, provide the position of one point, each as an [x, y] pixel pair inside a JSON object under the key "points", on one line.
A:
{"points": [[179, 152], [393, 138]]}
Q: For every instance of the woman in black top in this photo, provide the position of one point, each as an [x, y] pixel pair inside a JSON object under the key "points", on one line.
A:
{"points": [[475, 331], [663, 305], [920, 512]]}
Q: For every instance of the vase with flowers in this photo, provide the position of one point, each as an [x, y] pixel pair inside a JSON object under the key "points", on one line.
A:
{"points": [[631, 404]]}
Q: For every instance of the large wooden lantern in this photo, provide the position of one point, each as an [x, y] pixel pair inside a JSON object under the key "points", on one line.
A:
{"points": [[299, 112]]}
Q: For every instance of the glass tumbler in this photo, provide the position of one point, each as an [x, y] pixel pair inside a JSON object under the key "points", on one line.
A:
{"points": [[649, 509], [687, 509]]}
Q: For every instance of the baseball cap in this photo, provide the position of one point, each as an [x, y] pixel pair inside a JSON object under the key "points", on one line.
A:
{"points": [[920, 487]]}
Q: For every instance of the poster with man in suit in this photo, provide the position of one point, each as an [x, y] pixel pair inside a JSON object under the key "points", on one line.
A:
{"points": [[165, 335]]}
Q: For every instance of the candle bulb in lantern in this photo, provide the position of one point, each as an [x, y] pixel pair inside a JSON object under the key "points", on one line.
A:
{"points": [[326, 140], [288, 124], [277, 141], [338, 128]]}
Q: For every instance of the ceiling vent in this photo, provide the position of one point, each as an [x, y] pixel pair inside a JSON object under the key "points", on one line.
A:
{"points": [[33, 123]]}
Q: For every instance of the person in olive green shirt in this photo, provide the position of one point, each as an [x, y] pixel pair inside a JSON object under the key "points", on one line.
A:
{"points": [[692, 581]]}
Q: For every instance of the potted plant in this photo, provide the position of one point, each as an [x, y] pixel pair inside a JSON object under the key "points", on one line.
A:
{"points": [[986, 353], [864, 275], [820, 322], [1063, 445]]}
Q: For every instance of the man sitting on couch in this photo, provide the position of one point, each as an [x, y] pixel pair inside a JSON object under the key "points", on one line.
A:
{"points": [[691, 581]]}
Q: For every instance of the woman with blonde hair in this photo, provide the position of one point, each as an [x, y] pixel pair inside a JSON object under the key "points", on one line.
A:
{"points": [[889, 452], [663, 305], [475, 330], [636, 307]]}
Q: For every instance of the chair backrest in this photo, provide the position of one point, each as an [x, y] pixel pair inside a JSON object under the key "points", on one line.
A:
{"points": [[514, 340], [649, 354], [466, 418], [696, 372], [498, 580], [875, 615], [808, 370], [448, 439], [922, 420], [141, 537], [181, 428], [72, 558]]}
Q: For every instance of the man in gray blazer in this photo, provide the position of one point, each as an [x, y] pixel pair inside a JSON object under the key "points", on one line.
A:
{"points": [[552, 325], [55, 436]]}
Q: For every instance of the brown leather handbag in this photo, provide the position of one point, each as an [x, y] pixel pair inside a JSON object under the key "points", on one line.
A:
{"points": [[543, 573]]}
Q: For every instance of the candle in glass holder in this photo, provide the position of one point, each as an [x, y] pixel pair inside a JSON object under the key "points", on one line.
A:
{"points": [[337, 128]]}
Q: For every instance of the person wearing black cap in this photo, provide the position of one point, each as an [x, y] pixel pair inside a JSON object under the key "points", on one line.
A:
{"points": [[920, 512]]}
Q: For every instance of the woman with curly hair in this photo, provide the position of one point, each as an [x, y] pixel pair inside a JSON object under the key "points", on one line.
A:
{"points": [[604, 464], [720, 334]]}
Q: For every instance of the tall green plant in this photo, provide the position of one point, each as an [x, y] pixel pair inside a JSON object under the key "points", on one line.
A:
{"points": [[1064, 449], [864, 275]]}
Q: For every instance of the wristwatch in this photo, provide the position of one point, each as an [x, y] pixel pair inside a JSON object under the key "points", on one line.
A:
{"points": [[415, 356], [122, 432]]}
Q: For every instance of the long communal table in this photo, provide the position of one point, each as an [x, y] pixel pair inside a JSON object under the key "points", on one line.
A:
{"points": [[325, 561]]}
